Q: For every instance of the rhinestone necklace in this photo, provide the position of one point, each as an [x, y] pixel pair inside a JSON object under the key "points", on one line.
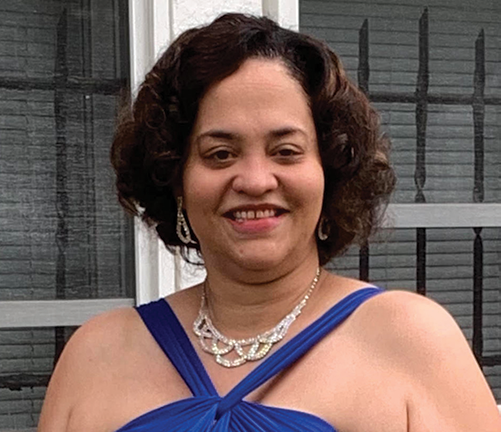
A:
{"points": [[215, 343]]}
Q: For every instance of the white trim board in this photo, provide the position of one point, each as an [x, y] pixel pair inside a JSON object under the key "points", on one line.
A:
{"points": [[285, 12], [52, 313], [150, 25], [443, 216]]}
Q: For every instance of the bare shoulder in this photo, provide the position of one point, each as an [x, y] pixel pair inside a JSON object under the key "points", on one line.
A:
{"points": [[402, 315], [92, 350], [446, 389], [408, 328], [101, 339]]}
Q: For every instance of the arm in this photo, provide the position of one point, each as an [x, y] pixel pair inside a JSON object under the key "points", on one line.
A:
{"points": [[447, 391]]}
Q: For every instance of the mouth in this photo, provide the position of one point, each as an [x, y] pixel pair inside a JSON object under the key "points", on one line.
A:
{"points": [[244, 214]]}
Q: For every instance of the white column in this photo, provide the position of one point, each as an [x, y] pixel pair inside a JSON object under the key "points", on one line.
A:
{"points": [[150, 33], [190, 13], [153, 24], [285, 12]]}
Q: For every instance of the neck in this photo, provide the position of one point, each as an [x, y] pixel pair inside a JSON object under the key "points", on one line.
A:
{"points": [[242, 309]]}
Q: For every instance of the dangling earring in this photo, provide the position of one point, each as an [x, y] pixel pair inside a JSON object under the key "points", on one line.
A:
{"points": [[182, 229], [321, 232]]}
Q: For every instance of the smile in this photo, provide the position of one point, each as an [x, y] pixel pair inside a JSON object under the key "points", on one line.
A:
{"points": [[252, 220], [253, 214]]}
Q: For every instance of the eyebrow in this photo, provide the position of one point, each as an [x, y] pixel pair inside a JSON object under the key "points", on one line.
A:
{"points": [[218, 133], [285, 131], [231, 136]]}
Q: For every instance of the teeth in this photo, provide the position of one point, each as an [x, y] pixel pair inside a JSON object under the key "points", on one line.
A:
{"points": [[251, 214]]}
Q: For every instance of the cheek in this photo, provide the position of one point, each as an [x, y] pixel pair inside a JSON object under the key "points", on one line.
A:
{"points": [[193, 191], [193, 180], [316, 197], [307, 197], [202, 192], [312, 188]]}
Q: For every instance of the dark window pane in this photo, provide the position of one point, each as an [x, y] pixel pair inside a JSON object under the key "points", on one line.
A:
{"points": [[62, 233]]}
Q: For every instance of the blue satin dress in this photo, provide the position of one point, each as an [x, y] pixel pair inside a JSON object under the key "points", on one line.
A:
{"points": [[206, 410]]}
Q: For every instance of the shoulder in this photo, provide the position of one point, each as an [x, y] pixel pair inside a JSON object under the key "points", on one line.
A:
{"points": [[104, 335], [403, 307], [422, 344], [98, 340], [95, 348], [402, 323]]}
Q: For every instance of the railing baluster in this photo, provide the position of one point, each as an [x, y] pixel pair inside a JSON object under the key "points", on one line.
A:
{"points": [[363, 262], [363, 57], [421, 121], [478, 258], [478, 193], [60, 114], [478, 117], [88, 201], [363, 84]]}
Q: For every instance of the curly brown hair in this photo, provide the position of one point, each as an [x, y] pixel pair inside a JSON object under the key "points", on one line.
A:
{"points": [[150, 146]]}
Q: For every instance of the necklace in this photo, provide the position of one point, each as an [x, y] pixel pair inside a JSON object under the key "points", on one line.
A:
{"points": [[215, 343]]}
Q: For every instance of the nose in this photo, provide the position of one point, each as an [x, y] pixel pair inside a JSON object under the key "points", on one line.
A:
{"points": [[255, 176]]}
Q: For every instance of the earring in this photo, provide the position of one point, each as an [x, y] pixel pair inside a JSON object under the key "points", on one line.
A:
{"points": [[182, 228], [321, 231]]}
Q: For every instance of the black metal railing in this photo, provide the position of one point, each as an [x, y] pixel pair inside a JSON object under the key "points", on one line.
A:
{"points": [[422, 98]]}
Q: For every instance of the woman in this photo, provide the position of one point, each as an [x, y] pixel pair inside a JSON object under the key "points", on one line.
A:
{"points": [[248, 144]]}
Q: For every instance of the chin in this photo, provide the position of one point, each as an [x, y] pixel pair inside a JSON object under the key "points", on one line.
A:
{"points": [[266, 259], [260, 265]]}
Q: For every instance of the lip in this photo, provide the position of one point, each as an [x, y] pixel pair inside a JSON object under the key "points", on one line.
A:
{"points": [[256, 226]]}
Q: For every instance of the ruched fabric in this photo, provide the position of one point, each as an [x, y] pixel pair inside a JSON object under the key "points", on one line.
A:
{"points": [[206, 410]]}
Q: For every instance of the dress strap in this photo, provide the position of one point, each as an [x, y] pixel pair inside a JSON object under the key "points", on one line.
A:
{"points": [[166, 329], [296, 347]]}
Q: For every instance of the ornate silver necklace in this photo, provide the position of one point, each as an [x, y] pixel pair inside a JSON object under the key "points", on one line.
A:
{"points": [[215, 343]]}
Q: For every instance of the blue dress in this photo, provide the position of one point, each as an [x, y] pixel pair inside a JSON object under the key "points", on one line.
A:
{"points": [[206, 410]]}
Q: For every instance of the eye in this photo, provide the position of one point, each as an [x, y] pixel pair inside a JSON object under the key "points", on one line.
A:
{"points": [[287, 152], [221, 155]]}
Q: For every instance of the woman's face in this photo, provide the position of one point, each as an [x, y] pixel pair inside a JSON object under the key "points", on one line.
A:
{"points": [[253, 182]]}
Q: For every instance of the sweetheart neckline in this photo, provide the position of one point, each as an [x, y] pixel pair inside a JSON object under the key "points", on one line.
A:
{"points": [[193, 399]]}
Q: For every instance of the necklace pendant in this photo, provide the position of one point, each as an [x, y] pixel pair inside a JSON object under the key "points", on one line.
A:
{"points": [[231, 353]]}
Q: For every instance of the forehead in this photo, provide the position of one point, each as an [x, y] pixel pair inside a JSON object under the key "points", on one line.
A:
{"points": [[260, 69], [257, 72], [261, 90]]}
